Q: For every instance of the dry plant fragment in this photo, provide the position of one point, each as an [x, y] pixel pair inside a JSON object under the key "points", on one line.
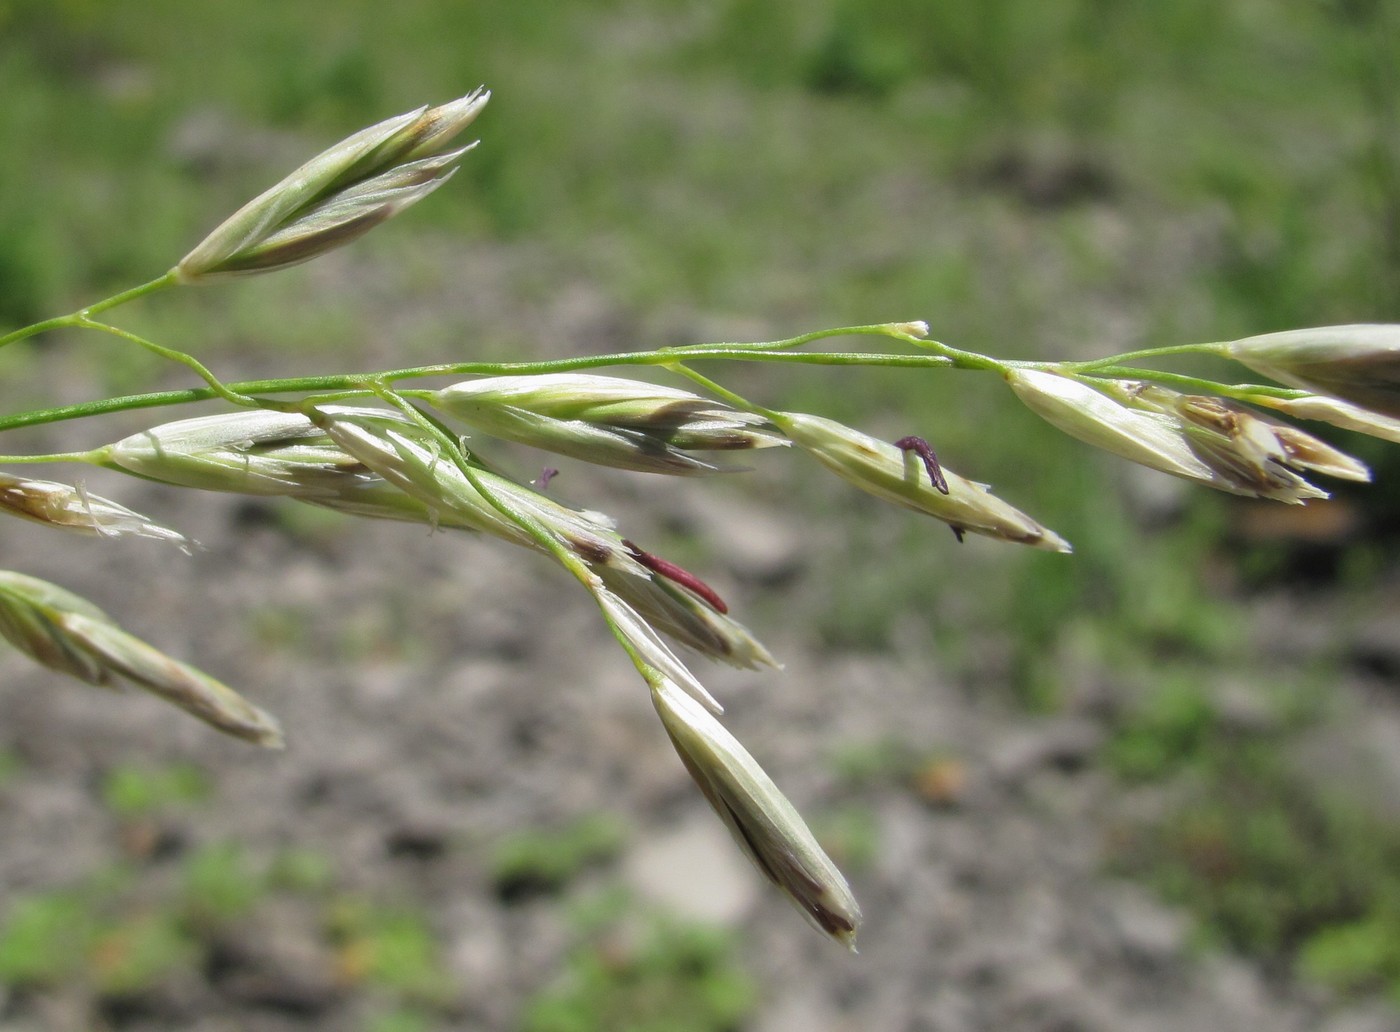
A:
{"points": [[677, 574], [69, 634], [73, 508], [928, 457]]}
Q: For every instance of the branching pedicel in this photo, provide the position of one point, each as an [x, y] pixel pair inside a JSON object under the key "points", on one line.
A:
{"points": [[364, 444]]}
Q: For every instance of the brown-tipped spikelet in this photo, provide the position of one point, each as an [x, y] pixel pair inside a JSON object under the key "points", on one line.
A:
{"points": [[338, 195], [767, 828], [69, 634], [1336, 412], [1252, 454], [685, 618], [898, 475], [1203, 438]]}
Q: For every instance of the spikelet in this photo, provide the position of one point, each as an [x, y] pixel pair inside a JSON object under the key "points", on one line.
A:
{"points": [[338, 195], [69, 634]]}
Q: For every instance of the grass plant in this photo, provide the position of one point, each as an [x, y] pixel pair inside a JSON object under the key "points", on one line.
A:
{"points": [[370, 444], [1033, 114]]}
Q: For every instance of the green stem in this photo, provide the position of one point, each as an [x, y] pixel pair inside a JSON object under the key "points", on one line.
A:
{"points": [[84, 314], [966, 359], [1193, 384], [355, 382], [1214, 348], [215, 384], [724, 393], [159, 283], [897, 331], [37, 328], [665, 356]]}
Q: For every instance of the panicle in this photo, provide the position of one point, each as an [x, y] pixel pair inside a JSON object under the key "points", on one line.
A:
{"points": [[898, 476], [607, 420], [69, 634], [338, 195], [73, 508], [767, 828], [1357, 363]]}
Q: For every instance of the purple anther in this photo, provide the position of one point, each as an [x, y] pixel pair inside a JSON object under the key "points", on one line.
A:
{"points": [[924, 450], [683, 577], [546, 475]]}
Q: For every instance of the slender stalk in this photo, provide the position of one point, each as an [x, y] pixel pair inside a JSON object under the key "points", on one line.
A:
{"points": [[1237, 391], [1213, 348], [724, 393], [82, 315], [36, 328], [170, 279], [355, 382], [665, 356], [184, 359], [966, 359], [896, 331]]}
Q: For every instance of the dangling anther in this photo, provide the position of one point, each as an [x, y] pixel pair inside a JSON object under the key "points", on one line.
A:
{"points": [[683, 577], [924, 450], [546, 475]]}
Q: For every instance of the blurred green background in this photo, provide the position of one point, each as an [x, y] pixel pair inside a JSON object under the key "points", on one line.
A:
{"points": [[1048, 178]]}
